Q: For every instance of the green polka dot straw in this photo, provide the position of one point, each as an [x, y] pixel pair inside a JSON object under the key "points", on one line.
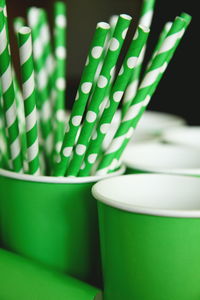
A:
{"points": [[99, 93], [147, 11], [85, 86], [116, 95], [9, 102], [28, 87], [143, 96], [60, 43]]}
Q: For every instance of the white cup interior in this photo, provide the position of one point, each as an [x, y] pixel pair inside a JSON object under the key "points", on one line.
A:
{"points": [[156, 122], [186, 135], [154, 194], [157, 157]]}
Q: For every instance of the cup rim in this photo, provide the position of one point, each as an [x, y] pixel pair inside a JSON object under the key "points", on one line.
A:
{"points": [[146, 167], [177, 135], [144, 210], [61, 180]]}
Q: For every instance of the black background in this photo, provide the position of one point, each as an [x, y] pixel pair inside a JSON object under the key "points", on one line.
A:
{"points": [[178, 91]]}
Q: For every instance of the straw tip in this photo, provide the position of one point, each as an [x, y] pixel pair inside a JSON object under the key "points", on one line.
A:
{"points": [[126, 17], [25, 30], [103, 25]]}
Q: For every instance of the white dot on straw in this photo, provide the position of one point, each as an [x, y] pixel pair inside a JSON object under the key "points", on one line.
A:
{"points": [[61, 52], [102, 81], [112, 72], [117, 96], [80, 149], [92, 158], [86, 87], [121, 71], [114, 44], [58, 147], [124, 33], [76, 121], [96, 52], [60, 115], [131, 62], [91, 116], [87, 61], [60, 84], [94, 136], [82, 166], [77, 96], [67, 151], [108, 104], [61, 21], [104, 128]]}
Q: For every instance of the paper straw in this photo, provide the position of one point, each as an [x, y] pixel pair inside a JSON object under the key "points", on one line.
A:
{"points": [[99, 93], [87, 79], [113, 23], [21, 117], [146, 20], [161, 39], [28, 86], [60, 43], [49, 59], [18, 23], [116, 95], [144, 94], [4, 159], [9, 99], [35, 21]]}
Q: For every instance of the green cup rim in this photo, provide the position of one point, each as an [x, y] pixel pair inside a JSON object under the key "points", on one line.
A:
{"points": [[61, 180], [101, 192]]}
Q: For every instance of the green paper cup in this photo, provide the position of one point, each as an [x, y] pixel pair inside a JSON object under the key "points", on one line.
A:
{"points": [[183, 136], [25, 280], [150, 236], [161, 158], [52, 220]]}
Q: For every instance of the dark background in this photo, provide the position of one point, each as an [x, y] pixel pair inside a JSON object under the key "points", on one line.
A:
{"points": [[178, 90]]}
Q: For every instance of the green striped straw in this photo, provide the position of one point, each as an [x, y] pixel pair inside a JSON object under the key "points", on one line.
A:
{"points": [[48, 56], [116, 95], [161, 39], [146, 20], [18, 23], [99, 93], [9, 102], [18, 95], [28, 86], [60, 44], [3, 140], [144, 94], [85, 86], [35, 21]]}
